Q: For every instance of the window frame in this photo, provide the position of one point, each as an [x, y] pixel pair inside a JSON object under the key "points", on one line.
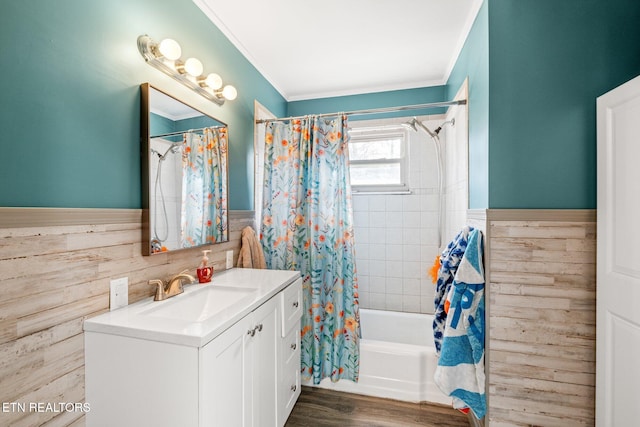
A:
{"points": [[363, 134]]}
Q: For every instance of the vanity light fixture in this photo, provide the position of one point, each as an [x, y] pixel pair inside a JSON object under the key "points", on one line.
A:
{"points": [[165, 56]]}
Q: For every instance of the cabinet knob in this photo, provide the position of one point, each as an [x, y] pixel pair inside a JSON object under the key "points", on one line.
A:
{"points": [[294, 388], [295, 304], [294, 346], [259, 327], [251, 332]]}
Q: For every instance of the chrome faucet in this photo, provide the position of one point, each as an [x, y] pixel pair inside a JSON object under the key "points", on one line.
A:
{"points": [[173, 287]]}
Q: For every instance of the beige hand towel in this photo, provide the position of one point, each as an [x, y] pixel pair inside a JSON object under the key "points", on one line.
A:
{"points": [[251, 255]]}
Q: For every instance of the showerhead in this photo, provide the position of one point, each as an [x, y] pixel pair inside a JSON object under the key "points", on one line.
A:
{"points": [[411, 124], [174, 148], [414, 124]]}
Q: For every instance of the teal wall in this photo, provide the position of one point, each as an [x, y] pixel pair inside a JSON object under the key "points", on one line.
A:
{"points": [[548, 62], [535, 69], [159, 125], [372, 100], [70, 98], [473, 63]]}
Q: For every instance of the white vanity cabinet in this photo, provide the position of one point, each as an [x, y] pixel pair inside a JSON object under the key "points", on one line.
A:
{"points": [[247, 375]]}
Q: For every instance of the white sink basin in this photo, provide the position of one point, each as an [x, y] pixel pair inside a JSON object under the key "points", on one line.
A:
{"points": [[200, 305]]}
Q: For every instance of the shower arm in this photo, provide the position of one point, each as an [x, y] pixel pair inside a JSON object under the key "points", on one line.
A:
{"points": [[426, 129]]}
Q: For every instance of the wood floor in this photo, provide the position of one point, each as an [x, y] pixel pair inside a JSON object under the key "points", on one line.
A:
{"points": [[318, 407]]}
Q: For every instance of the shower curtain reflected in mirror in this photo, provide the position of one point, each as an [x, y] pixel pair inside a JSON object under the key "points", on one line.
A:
{"points": [[307, 225], [204, 187]]}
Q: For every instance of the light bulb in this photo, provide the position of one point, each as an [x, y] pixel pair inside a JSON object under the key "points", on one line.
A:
{"points": [[229, 92], [193, 66], [170, 49], [214, 81]]}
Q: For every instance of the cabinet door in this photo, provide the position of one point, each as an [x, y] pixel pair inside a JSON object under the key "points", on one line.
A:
{"points": [[225, 388], [265, 369]]}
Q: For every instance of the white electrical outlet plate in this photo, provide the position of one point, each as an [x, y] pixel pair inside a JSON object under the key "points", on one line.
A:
{"points": [[119, 296], [229, 259]]}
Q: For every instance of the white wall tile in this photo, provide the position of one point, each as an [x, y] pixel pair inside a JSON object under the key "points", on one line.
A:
{"points": [[394, 202], [362, 267], [394, 285], [377, 203], [362, 249], [361, 218], [378, 285], [363, 299], [411, 304], [377, 301], [377, 219], [411, 270], [411, 219], [377, 252], [394, 302], [361, 234], [411, 203], [393, 236], [377, 269], [394, 268], [411, 253], [363, 282], [411, 235], [394, 252], [393, 220], [411, 287]]}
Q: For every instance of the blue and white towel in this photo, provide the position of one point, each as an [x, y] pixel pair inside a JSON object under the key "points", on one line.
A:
{"points": [[449, 261], [460, 370]]}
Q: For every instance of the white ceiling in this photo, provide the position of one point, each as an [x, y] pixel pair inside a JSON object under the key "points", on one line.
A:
{"points": [[330, 48]]}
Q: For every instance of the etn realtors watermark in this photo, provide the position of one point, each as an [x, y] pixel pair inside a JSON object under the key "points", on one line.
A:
{"points": [[53, 407]]}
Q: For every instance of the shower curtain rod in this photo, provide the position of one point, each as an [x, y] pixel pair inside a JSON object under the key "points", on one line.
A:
{"points": [[372, 111], [185, 131]]}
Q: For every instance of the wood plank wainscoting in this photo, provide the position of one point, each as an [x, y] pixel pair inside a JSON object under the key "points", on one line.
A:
{"points": [[55, 268], [541, 316]]}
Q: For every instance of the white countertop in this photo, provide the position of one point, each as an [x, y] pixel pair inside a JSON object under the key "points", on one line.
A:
{"points": [[134, 321]]}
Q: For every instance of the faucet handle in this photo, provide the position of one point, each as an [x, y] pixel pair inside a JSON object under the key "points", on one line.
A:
{"points": [[160, 288]]}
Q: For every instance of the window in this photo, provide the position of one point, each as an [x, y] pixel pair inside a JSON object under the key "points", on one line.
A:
{"points": [[378, 158]]}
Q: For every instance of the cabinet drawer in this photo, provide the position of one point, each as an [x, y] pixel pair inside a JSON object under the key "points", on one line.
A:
{"points": [[291, 302], [288, 393], [291, 351]]}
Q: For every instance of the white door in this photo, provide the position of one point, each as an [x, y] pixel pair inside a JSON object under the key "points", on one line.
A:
{"points": [[618, 265]]}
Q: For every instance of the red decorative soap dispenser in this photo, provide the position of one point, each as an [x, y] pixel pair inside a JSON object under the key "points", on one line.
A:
{"points": [[204, 271]]}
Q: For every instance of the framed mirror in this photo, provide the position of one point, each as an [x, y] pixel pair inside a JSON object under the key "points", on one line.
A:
{"points": [[184, 174]]}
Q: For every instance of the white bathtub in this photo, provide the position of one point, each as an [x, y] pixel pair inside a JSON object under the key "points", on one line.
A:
{"points": [[397, 358]]}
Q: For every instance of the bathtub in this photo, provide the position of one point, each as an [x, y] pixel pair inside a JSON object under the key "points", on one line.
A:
{"points": [[397, 358]]}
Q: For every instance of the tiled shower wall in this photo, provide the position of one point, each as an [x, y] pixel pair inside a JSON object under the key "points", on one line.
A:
{"points": [[396, 234]]}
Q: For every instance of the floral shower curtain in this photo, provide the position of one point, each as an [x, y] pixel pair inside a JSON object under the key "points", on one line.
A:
{"points": [[204, 184], [307, 225]]}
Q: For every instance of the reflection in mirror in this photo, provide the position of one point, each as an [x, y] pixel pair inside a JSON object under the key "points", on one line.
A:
{"points": [[184, 175]]}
